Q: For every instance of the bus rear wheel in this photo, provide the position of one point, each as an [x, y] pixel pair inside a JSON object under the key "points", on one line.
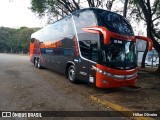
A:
{"points": [[72, 74], [38, 63], [35, 62]]}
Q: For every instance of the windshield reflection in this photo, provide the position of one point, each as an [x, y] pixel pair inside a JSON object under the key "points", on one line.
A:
{"points": [[119, 54]]}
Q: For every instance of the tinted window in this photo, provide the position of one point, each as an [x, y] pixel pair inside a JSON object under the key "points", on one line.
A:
{"points": [[94, 50], [114, 22], [68, 52], [84, 19], [85, 48], [88, 42], [89, 45], [65, 27], [89, 49], [119, 54], [68, 29], [58, 30]]}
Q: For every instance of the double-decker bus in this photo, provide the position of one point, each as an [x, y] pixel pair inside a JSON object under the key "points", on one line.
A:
{"points": [[91, 45]]}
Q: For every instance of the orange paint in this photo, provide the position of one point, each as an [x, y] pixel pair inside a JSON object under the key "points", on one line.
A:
{"points": [[99, 29], [112, 82], [108, 34], [51, 44]]}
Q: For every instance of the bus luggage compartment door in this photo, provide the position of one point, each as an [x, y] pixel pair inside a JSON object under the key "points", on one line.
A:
{"points": [[83, 73]]}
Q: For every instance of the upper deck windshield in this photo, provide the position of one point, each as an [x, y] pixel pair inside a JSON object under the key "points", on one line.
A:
{"points": [[114, 22]]}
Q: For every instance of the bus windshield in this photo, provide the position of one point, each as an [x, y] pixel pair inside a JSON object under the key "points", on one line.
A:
{"points": [[114, 22], [119, 54]]}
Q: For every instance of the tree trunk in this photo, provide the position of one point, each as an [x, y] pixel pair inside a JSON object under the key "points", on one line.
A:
{"points": [[144, 57], [156, 45], [158, 69], [146, 8], [109, 4], [125, 8]]}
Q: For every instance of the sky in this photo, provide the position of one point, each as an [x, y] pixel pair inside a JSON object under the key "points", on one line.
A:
{"points": [[15, 14]]}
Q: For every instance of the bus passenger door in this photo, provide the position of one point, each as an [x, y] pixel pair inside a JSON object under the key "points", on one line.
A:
{"points": [[83, 72], [94, 57], [88, 43]]}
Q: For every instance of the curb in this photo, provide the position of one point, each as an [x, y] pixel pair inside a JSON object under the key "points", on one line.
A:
{"points": [[117, 108]]}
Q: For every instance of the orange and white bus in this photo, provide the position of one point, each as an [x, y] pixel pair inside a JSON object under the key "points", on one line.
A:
{"points": [[91, 45]]}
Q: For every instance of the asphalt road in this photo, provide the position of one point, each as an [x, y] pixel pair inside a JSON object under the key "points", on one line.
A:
{"points": [[26, 88]]}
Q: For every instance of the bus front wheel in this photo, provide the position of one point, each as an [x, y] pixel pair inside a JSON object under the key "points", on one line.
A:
{"points": [[72, 74]]}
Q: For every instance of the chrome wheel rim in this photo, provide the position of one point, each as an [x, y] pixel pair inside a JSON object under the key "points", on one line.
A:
{"points": [[71, 74], [39, 64]]}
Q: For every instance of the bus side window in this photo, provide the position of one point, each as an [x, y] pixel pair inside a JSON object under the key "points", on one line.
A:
{"points": [[68, 27], [32, 40], [85, 48], [85, 19], [89, 49], [94, 50], [68, 52]]}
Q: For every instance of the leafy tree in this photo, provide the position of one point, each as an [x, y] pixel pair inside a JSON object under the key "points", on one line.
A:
{"points": [[151, 15], [15, 40], [6, 41], [60, 8]]}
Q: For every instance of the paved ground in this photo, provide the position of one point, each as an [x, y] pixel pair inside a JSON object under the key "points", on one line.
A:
{"points": [[145, 97], [26, 88]]}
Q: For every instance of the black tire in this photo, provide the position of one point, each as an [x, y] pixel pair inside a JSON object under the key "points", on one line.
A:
{"points": [[71, 73], [35, 62], [39, 63]]}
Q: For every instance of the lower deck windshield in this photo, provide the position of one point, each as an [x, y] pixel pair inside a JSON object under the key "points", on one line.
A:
{"points": [[119, 54]]}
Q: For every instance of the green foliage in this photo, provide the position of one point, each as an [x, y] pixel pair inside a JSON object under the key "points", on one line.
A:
{"points": [[156, 6], [15, 40], [148, 11], [60, 8], [43, 7], [38, 6]]}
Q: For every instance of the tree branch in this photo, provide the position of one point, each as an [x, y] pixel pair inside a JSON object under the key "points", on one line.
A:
{"points": [[139, 11], [76, 4], [66, 4], [155, 34], [99, 2], [156, 18], [155, 8]]}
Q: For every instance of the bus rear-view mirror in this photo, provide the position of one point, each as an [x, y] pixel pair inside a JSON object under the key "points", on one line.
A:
{"points": [[99, 30], [149, 41]]}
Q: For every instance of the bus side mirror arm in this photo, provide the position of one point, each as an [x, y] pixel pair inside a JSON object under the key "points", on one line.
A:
{"points": [[99, 30], [150, 43]]}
